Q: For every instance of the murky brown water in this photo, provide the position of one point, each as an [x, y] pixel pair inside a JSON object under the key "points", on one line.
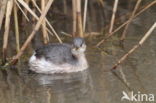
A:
{"points": [[97, 84]]}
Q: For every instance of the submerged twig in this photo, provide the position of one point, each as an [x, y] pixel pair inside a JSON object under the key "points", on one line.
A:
{"points": [[15, 58], [122, 25], [130, 20], [113, 16], [136, 46]]}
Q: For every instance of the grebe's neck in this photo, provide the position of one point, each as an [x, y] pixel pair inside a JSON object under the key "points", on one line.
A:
{"points": [[82, 62]]}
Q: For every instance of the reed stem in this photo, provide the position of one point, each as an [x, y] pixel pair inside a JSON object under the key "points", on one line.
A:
{"points": [[34, 3], [7, 27], [74, 6], [130, 20], [2, 11], [65, 6], [36, 17], [79, 19], [144, 38], [26, 43], [85, 15], [44, 31], [22, 10], [25, 12], [16, 28], [113, 16], [122, 25]]}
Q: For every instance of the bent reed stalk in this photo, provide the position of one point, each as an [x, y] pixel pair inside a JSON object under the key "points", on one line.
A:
{"points": [[25, 15], [130, 20], [37, 18], [15, 58], [144, 38], [122, 25], [78, 22]]}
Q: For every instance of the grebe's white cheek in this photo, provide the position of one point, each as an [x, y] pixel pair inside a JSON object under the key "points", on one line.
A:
{"points": [[32, 58], [83, 48], [74, 51]]}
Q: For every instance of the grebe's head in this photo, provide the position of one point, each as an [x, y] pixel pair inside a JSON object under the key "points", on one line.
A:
{"points": [[79, 46]]}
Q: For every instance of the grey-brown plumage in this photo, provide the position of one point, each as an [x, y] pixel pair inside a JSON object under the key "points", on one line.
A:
{"points": [[60, 58], [59, 53]]}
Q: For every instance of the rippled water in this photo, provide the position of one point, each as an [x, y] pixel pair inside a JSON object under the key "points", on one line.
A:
{"points": [[95, 85]]}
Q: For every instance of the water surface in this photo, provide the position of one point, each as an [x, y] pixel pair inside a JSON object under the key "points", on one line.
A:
{"points": [[97, 84]]}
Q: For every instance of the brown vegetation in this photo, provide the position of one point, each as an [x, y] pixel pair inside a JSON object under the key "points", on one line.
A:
{"points": [[79, 21]]}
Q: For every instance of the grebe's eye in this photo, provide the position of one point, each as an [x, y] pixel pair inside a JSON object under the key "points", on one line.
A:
{"points": [[76, 48], [83, 45]]}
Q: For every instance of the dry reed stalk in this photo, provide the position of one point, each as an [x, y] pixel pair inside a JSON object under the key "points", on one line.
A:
{"points": [[113, 16], [122, 25], [79, 19], [25, 5], [101, 2], [44, 31], [34, 3], [2, 11], [86, 34], [84, 16], [25, 11], [122, 16], [66, 34], [22, 10], [74, 17], [65, 6], [36, 17], [37, 26], [16, 28], [130, 20], [7, 27], [33, 18], [136, 46]]}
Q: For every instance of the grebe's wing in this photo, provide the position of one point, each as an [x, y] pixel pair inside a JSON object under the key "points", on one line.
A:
{"points": [[56, 53]]}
